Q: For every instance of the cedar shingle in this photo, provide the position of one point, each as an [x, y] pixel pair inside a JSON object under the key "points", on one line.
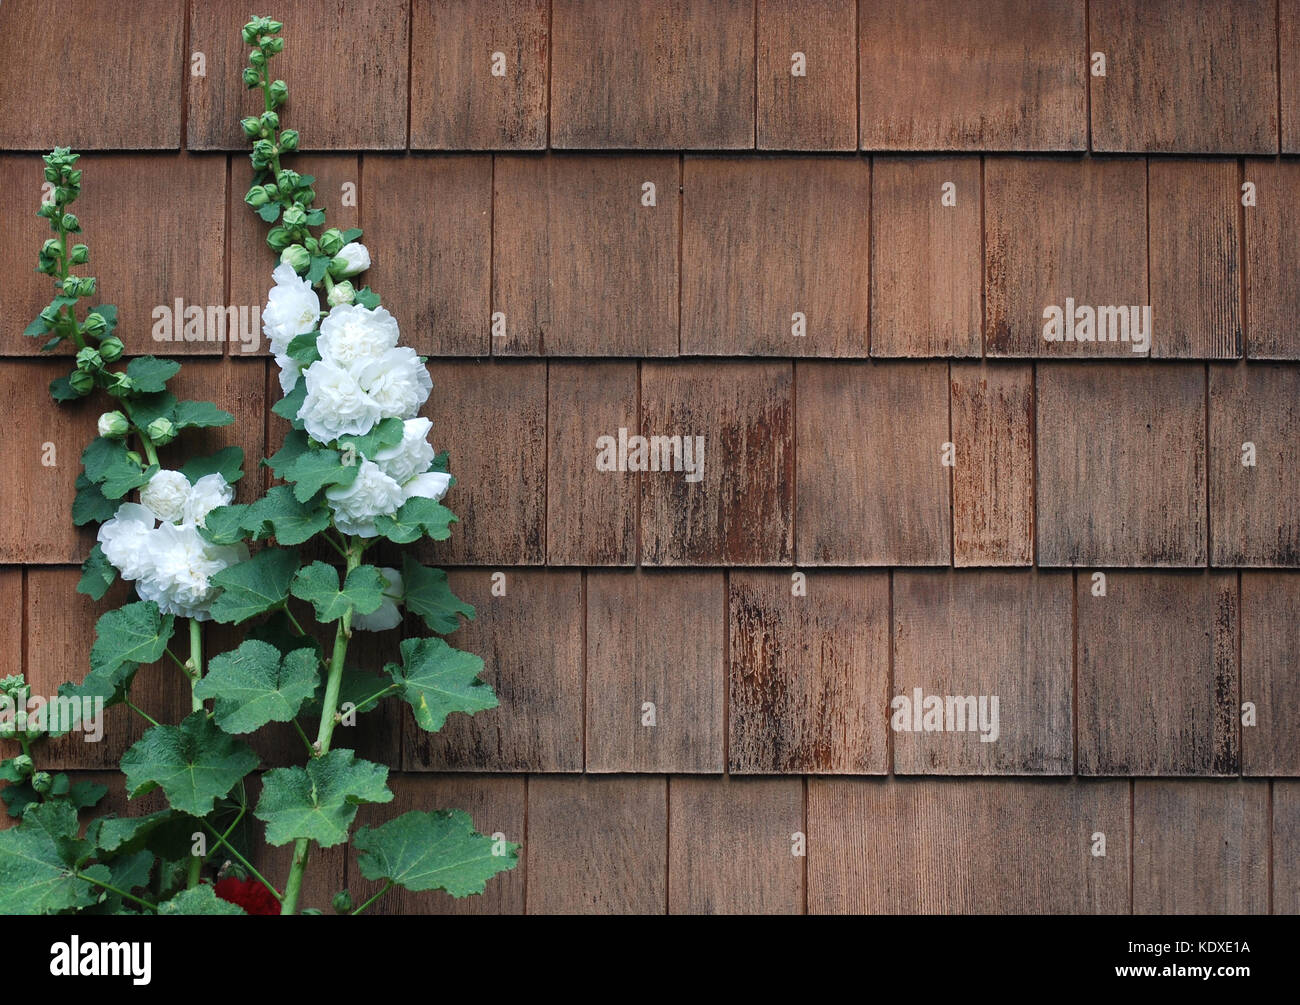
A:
{"points": [[817, 109], [581, 265], [1270, 640], [1286, 847], [1157, 674], [809, 674], [1272, 275], [462, 98], [655, 637], [629, 75], [1002, 75]]}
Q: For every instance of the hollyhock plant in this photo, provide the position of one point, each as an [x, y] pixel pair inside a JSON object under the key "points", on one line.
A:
{"points": [[356, 468]]}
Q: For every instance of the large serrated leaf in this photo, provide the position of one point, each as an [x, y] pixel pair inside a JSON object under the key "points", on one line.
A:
{"points": [[319, 801], [437, 680], [433, 851], [254, 685], [195, 764]]}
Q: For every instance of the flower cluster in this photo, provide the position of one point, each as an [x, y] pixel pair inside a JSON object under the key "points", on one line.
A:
{"points": [[156, 542]]}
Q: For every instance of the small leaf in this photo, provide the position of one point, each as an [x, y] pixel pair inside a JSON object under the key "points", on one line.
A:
{"points": [[97, 574], [254, 587], [426, 593], [61, 390], [433, 851], [255, 685], [195, 764], [200, 414], [290, 521], [303, 348], [351, 234], [316, 271], [89, 504], [295, 445], [386, 434], [149, 374], [122, 478], [320, 801], [269, 211], [228, 462], [316, 469], [418, 517], [37, 328], [135, 634], [225, 524], [437, 680], [290, 405], [318, 584], [367, 298]]}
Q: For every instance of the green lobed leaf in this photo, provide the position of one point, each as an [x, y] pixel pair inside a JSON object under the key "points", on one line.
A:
{"points": [[150, 374], [254, 587], [198, 900], [201, 414], [384, 435], [437, 680], [195, 764], [433, 851], [316, 270], [147, 407], [89, 504], [367, 298], [290, 521], [255, 684], [320, 801], [302, 348], [134, 634], [418, 517], [316, 469], [290, 405], [225, 524], [38, 859], [295, 444], [426, 593], [97, 574], [228, 461], [61, 390], [318, 584], [269, 212]]}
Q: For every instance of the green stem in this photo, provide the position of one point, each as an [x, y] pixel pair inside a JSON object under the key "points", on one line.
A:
{"points": [[221, 840], [383, 890], [196, 870], [329, 714], [112, 889], [292, 619], [195, 664], [311, 751], [140, 712]]}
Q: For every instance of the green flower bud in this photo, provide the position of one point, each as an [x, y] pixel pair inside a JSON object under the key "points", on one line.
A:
{"points": [[257, 58], [343, 293], [24, 765], [41, 782], [279, 92], [7, 731], [80, 254], [296, 257], [70, 223], [119, 385], [251, 78], [50, 315], [277, 239], [276, 45], [257, 197], [82, 382], [52, 175], [89, 359], [113, 425], [263, 151], [289, 140], [342, 902], [162, 430], [88, 285], [250, 32], [270, 122], [272, 26], [295, 216], [71, 286], [95, 326], [252, 128], [74, 177], [286, 181], [111, 348], [331, 242]]}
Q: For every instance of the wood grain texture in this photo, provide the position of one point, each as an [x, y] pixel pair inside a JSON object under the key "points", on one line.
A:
{"points": [[671, 75], [816, 110], [871, 485], [984, 635], [1254, 511], [1004, 75], [429, 230], [597, 845], [36, 520], [458, 101], [729, 846], [1272, 276], [765, 239], [531, 643], [581, 266], [655, 637], [336, 56], [151, 240], [902, 846], [809, 675], [1158, 677], [92, 61], [739, 513], [1184, 77], [591, 515], [993, 480], [1286, 847], [1200, 847], [500, 490], [1121, 465], [1195, 256], [497, 806], [338, 180], [926, 273], [60, 629], [1055, 230], [1289, 73], [1270, 672]]}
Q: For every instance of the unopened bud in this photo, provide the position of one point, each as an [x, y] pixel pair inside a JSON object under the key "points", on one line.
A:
{"points": [[95, 326], [252, 128], [352, 259], [343, 293], [113, 425], [296, 257], [90, 359], [82, 382], [342, 902], [110, 348], [331, 242], [278, 238], [162, 430], [289, 140]]}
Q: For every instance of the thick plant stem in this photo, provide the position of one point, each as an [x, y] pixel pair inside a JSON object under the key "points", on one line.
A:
{"points": [[195, 663], [329, 713]]}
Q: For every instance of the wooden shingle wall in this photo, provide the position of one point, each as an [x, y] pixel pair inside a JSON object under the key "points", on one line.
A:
{"points": [[821, 235]]}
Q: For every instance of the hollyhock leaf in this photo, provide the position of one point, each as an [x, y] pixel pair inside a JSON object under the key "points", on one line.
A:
{"points": [[279, 631], [318, 584], [137, 633], [289, 520], [418, 517], [61, 390], [255, 684], [100, 456], [124, 477], [319, 801], [295, 445], [367, 298], [37, 862], [148, 407], [302, 348], [195, 764], [227, 462], [351, 234], [225, 524], [316, 469], [112, 686], [114, 834], [427, 594], [433, 851], [197, 900], [316, 271], [269, 212], [17, 797], [85, 795], [97, 574], [126, 872], [436, 680], [290, 405], [149, 374], [442, 462], [89, 504], [254, 587], [386, 434], [200, 415], [37, 328]]}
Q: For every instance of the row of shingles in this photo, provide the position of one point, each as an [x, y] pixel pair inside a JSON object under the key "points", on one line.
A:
{"points": [[515, 74], [1126, 673]]}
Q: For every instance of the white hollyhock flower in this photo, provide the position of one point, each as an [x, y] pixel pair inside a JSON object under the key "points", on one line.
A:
{"points": [[414, 454], [353, 336], [165, 495], [208, 493], [184, 564], [355, 506], [351, 259], [430, 485], [388, 616], [398, 383], [335, 404], [124, 540], [292, 308], [290, 371]]}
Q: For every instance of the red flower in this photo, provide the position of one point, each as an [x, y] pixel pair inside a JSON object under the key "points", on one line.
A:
{"points": [[249, 894]]}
